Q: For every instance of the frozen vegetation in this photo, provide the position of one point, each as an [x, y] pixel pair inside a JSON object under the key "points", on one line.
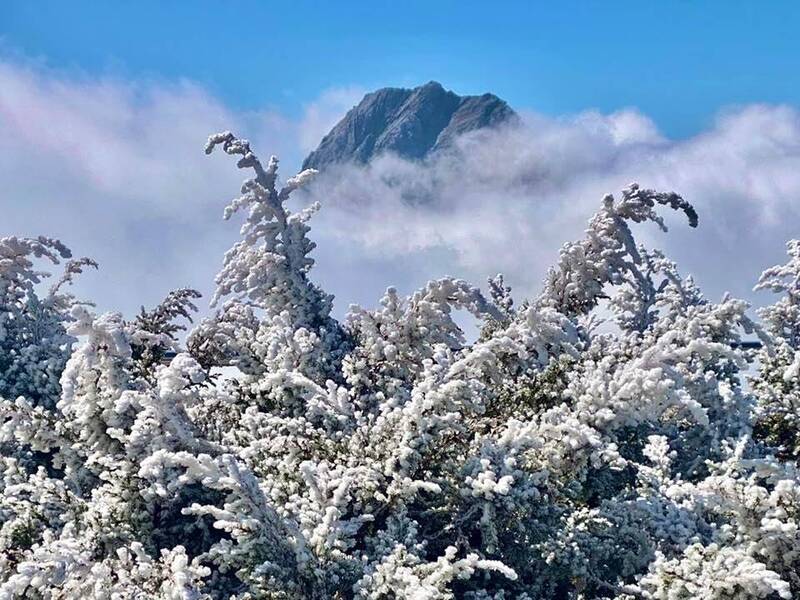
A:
{"points": [[599, 440]]}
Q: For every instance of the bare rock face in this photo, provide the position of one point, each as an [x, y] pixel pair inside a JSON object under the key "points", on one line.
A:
{"points": [[410, 123]]}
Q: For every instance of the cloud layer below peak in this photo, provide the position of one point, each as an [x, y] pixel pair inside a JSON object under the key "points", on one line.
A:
{"points": [[116, 170], [507, 199]]}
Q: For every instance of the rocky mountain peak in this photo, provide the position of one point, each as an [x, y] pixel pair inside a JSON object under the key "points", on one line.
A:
{"points": [[412, 123]]}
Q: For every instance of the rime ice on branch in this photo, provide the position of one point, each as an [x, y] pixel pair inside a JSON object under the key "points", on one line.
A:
{"points": [[388, 457]]}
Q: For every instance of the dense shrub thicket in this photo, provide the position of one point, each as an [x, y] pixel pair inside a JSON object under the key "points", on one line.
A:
{"points": [[600, 440]]}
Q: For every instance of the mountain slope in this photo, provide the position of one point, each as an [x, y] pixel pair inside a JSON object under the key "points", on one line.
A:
{"points": [[409, 122]]}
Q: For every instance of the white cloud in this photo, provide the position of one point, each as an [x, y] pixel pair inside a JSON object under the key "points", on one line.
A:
{"points": [[116, 170], [506, 200]]}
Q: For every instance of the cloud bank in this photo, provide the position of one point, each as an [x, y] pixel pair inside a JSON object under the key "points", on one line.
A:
{"points": [[116, 169], [506, 200]]}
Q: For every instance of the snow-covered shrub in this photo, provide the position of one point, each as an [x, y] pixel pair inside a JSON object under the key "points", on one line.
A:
{"points": [[34, 345], [385, 456], [778, 383]]}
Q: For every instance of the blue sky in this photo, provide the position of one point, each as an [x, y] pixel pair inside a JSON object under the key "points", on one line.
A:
{"points": [[678, 62]]}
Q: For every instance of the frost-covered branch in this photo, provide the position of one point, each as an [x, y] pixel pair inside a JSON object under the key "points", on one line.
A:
{"points": [[286, 455]]}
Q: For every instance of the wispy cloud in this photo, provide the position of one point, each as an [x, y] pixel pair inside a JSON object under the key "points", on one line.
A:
{"points": [[116, 169]]}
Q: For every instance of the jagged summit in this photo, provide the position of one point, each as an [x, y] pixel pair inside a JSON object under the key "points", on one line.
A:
{"points": [[409, 122]]}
